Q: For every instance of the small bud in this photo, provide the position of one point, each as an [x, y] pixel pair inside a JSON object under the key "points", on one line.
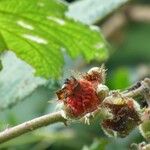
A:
{"points": [[145, 126], [96, 75], [125, 116], [102, 91], [146, 147], [94, 69], [141, 146]]}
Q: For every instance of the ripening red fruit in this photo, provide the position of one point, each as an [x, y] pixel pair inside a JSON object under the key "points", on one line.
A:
{"points": [[80, 95]]}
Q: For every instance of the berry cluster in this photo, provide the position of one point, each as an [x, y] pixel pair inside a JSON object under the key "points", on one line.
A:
{"points": [[87, 94]]}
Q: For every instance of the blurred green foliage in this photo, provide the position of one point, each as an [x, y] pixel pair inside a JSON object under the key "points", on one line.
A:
{"points": [[134, 49], [119, 79]]}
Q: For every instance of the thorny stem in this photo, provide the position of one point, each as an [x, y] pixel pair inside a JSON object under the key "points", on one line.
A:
{"points": [[56, 117]]}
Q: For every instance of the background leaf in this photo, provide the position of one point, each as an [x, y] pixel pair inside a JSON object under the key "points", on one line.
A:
{"points": [[16, 80], [95, 10], [39, 33]]}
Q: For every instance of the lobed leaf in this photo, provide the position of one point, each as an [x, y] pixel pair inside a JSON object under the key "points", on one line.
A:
{"points": [[38, 32]]}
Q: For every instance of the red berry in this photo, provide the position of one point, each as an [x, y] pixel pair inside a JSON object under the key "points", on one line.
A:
{"points": [[79, 97], [83, 95]]}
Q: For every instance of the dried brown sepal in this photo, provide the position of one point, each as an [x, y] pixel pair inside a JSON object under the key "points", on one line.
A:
{"points": [[70, 85], [124, 117], [61, 94]]}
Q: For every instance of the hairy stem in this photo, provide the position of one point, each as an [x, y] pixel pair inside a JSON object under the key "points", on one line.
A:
{"points": [[142, 89], [31, 125]]}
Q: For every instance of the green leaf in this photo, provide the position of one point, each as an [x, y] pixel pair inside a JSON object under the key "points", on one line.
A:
{"points": [[39, 33]]}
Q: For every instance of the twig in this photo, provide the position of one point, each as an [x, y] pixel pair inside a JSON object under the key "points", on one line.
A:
{"points": [[31, 125], [144, 89], [136, 13], [139, 13], [113, 24], [56, 117]]}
